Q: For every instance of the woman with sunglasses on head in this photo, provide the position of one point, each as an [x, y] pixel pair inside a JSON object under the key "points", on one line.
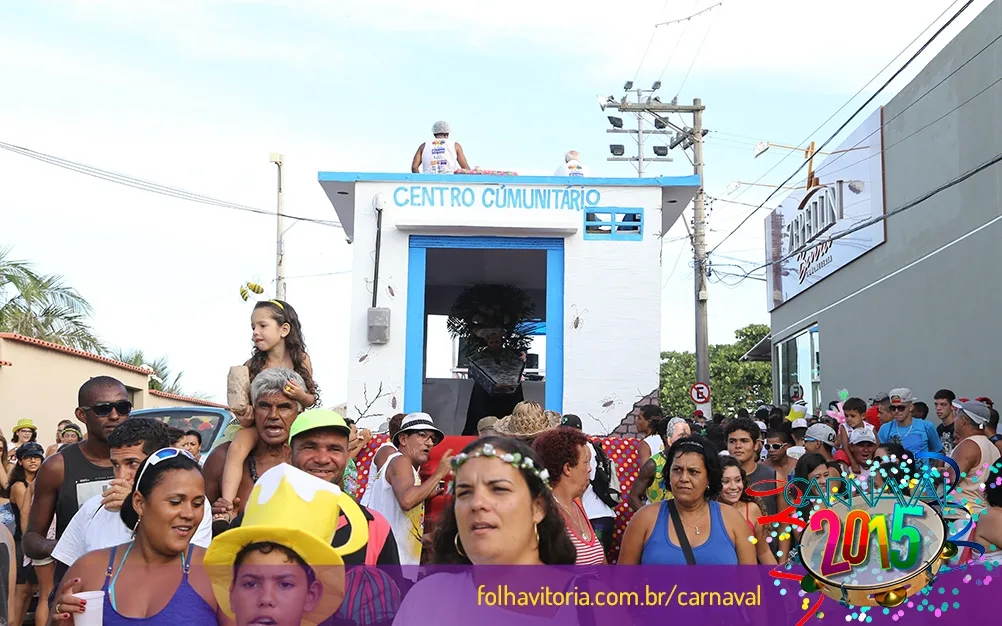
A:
{"points": [[734, 482], [158, 578]]}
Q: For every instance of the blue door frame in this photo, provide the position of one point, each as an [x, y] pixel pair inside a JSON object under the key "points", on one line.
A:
{"points": [[415, 326]]}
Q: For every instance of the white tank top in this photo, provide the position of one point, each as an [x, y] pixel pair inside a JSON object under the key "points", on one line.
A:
{"points": [[968, 489], [369, 478], [439, 156], [407, 526]]}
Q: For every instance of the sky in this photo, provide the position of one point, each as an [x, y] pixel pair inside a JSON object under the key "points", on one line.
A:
{"points": [[196, 95]]}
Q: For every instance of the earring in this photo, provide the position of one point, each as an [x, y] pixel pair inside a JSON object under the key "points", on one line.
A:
{"points": [[536, 530], [458, 549]]}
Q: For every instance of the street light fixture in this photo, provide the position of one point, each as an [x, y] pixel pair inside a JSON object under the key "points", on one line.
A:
{"points": [[617, 149], [628, 86], [656, 85], [661, 151], [617, 122]]}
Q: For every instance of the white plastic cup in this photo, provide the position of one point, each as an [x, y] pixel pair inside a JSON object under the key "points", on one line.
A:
{"points": [[94, 615]]}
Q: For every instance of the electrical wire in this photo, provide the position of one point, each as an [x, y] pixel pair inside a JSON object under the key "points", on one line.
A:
{"points": [[695, 58], [654, 32], [880, 218], [842, 127], [847, 102], [145, 185], [678, 43]]}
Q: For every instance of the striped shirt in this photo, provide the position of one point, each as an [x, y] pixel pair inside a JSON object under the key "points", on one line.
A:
{"points": [[589, 552]]}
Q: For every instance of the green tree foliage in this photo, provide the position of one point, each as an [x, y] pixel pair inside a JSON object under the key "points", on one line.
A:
{"points": [[162, 379], [734, 384], [42, 307]]}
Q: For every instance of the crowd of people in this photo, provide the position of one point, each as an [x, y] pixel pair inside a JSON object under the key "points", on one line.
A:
{"points": [[278, 525]]}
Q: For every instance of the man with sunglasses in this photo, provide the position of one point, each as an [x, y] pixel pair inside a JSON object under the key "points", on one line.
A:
{"points": [[915, 435], [96, 525], [79, 471]]}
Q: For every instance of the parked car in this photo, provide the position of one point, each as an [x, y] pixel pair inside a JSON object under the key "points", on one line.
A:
{"points": [[211, 422]]}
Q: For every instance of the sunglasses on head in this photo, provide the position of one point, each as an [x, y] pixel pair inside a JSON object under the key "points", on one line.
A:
{"points": [[898, 407], [103, 409], [774, 446], [162, 455]]}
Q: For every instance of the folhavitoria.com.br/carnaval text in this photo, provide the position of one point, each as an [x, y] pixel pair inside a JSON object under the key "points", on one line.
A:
{"points": [[502, 595]]}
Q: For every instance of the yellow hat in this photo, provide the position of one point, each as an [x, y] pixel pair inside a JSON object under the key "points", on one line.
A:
{"points": [[24, 423], [299, 511]]}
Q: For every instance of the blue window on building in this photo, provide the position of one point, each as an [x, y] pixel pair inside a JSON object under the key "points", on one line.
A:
{"points": [[614, 224]]}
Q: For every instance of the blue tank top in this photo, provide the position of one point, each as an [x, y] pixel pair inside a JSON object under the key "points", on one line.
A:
{"points": [[717, 550], [185, 608]]}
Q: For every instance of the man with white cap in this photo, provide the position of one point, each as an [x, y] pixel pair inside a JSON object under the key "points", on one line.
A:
{"points": [[863, 444], [572, 165], [441, 155], [915, 435], [397, 490], [820, 439], [798, 431], [974, 451]]}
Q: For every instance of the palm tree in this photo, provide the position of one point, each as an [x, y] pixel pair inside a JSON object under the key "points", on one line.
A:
{"points": [[43, 307], [161, 378]]}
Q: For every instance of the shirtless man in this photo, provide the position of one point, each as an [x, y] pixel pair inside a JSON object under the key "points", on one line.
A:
{"points": [[274, 413]]}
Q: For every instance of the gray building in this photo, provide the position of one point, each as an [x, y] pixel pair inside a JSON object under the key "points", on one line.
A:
{"points": [[911, 297]]}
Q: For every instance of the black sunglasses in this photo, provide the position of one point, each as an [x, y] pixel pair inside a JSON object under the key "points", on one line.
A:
{"points": [[898, 407], [103, 409]]}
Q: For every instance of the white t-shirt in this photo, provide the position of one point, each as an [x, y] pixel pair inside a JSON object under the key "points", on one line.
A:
{"points": [[593, 506], [655, 443], [407, 526], [95, 527], [439, 156], [571, 168]]}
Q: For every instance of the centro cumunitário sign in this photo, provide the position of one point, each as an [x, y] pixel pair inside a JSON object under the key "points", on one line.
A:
{"points": [[500, 197]]}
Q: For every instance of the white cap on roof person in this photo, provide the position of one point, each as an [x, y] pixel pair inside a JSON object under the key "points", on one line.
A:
{"points": [[441, 128]]}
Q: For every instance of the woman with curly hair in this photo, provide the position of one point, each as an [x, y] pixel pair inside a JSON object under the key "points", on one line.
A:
{"points": [[502, 513], [565, 455], [691, 528], [734, 482]]}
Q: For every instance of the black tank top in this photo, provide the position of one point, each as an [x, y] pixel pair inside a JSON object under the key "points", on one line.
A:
{"points": [[81, 481]]}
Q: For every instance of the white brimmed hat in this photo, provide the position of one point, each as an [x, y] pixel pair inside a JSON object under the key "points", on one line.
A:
{"points": [[417, 422]]}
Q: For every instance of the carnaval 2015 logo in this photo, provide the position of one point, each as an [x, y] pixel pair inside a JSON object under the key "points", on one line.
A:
{"points": [[499, 197], [819, 210]]}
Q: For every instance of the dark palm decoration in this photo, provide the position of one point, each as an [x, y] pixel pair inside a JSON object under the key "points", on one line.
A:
{"points": [[494, 323]]}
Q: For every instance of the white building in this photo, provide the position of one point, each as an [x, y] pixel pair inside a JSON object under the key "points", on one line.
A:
{"points": [[596, 287]]}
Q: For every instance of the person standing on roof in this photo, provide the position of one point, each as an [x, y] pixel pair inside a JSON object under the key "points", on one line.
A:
{"points": [[572, 165], [441, 155]]}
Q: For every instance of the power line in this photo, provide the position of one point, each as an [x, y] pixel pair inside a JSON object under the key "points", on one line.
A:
{"points": [[695, 58], [847, 102], [145, 185], [836, 157], [880, 218], [654, 32], [678, 43]]}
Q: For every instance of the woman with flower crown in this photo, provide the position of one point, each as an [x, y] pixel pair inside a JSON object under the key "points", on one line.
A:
{"points": [[502, 513]]}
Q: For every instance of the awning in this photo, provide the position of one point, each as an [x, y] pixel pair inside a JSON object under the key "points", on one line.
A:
{"points": [[760, 352]]}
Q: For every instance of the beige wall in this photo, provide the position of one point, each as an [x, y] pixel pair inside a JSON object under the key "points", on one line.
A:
{"points": [[158, 401], [41, 383]]}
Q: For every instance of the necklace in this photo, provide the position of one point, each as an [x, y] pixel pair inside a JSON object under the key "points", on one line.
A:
{"points": [[252, 462], [693, 526], [897, 430], [569, 516]]}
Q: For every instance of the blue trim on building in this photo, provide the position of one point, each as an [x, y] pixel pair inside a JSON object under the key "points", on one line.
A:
{"points": [[473, 179], [614, 224], [415, 324], [487, 243], [554, 391], [414, 343]]}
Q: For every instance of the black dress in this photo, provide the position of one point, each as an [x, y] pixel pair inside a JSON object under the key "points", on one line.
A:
{"points": [[482, 405]]}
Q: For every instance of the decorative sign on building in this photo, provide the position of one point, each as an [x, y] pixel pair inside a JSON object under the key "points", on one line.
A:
{"points": [[807, 236]]}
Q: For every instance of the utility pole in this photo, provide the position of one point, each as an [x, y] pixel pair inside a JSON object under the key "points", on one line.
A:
{"points": [[700, 265], [687, 138], [278, 160], [618, 150]]}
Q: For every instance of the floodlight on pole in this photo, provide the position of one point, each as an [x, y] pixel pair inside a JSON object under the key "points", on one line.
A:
{"points": [[656, 85], [761, 148], [617, 122], [661, 151], [628, 86], [617, 149], [659, 123]]}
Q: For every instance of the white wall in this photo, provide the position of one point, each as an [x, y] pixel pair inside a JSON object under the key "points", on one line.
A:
{"points": [[611, 287]]}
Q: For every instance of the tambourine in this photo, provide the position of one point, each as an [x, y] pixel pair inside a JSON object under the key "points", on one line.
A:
{"points": [[887, 572]]}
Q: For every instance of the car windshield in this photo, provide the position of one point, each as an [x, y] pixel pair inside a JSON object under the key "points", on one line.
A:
{"points": [[205, 423]]}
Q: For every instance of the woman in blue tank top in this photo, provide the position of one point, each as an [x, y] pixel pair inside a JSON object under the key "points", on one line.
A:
{"points": [[716, 535], [157, 579]]}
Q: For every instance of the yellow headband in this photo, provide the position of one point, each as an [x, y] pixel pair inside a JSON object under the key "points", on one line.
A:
{"points": [[278, 304]]}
